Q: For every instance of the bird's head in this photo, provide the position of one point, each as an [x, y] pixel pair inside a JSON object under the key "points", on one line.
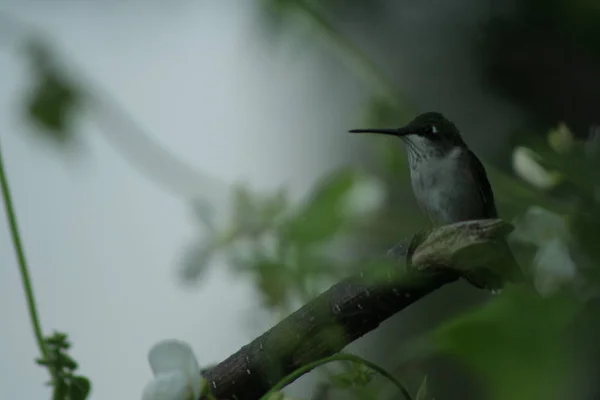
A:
{"points": [[427, 130]]}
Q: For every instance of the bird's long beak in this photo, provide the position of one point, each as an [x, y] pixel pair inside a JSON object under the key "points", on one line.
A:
{"points": [[392, 132]]}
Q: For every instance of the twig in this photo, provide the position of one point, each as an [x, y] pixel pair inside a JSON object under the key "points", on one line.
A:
{"points": [[352, 308]]}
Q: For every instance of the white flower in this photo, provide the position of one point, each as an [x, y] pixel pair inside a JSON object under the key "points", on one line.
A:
{"points": [[176, 372], [547, 231], [526, 166], [539, 225], [554, 266]]}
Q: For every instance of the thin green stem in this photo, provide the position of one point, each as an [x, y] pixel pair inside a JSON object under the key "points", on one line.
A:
{"points": [[20, 252], [336, 357]]}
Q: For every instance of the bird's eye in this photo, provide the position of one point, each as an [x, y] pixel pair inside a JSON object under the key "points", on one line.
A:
{"points": [[430, 130]]}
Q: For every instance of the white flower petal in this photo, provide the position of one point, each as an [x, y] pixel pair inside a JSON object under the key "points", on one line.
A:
{"points": [[528, 169], [539, 225], [172, 355], [553, 266], [169, 386]]}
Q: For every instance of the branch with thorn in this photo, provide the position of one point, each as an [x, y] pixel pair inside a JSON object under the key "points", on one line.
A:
{"points": [[357, 305]]}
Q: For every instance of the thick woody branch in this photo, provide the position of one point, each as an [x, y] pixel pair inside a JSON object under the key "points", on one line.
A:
{"points": [[354, 307]]}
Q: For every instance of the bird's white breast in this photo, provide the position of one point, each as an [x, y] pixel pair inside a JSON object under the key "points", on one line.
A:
{"points": [[439, 185]]}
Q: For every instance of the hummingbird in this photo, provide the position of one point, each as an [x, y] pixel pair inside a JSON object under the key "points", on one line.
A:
{"points": [[449, 182]]}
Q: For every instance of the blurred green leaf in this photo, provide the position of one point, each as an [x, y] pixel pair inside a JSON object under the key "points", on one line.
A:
{"points": [[514, 196], [51, 106], [245, 216], [61, 390], [322, 216], [274, 206], [573, 166], [561, 139], [59, 340], [66, 384], [255, 214], [343, 380], [585, 227], [314, 265], [272, 282], [422, 392], [66, 361], [278, 6], [591, 147], [518, 343], [55, 99], [80, 388], [355, 375]]}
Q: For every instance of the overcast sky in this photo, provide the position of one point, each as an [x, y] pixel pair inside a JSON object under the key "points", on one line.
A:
{"points": [[103, 240]]}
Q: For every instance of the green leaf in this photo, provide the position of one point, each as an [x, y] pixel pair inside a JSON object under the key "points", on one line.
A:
{"points": [[65, 361], [58, 339], [322, 216], [61, 389], [274, 206], [42, 362], [518, 343], [242, 202], [54, 99], [272, 282], [585, 226], [357, 375], [278, 6], [364, 375], [80, 388], [514, 196], [343, 380], [51, 106], [247, 217], [422, 392]]}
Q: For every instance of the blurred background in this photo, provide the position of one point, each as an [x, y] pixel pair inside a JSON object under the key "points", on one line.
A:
{"points": [[183, 170]]}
